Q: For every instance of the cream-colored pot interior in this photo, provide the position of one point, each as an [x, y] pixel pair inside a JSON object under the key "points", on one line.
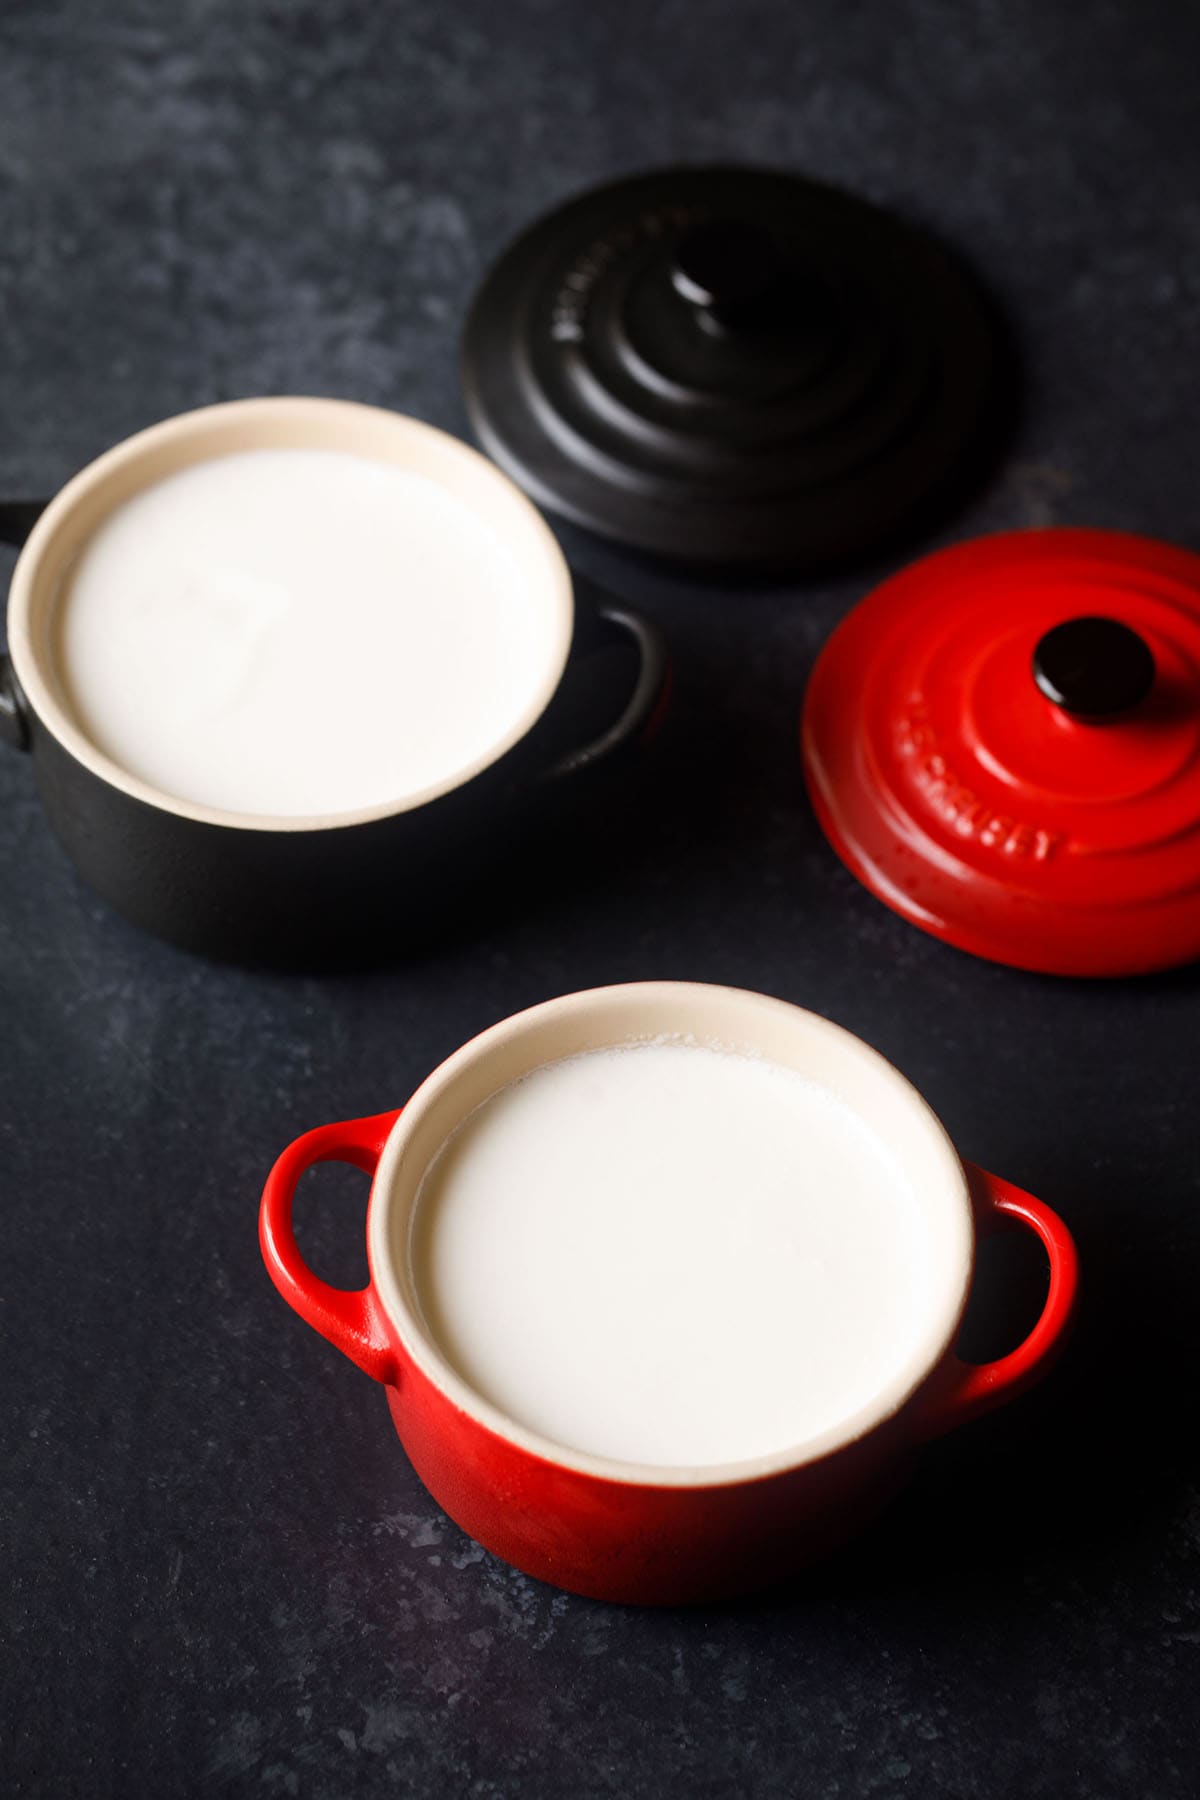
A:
{"points": [[266, 424], [728, 1019]]}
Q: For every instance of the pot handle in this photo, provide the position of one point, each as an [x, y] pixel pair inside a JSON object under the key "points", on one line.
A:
{"points": [[596, 624], [18, 518], [14, 719], [352, 1320], [962, 1391]]}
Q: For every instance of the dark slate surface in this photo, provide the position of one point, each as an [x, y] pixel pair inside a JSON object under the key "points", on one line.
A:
{"points": [[221, 1575]]}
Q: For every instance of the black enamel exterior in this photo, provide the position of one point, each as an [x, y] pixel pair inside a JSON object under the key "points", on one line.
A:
{"points": [[735, 367], [18, 518], [354, 892]]}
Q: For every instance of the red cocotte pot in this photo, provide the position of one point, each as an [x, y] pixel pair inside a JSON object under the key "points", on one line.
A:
{"points": [[1002, 742], [624, 1531]]}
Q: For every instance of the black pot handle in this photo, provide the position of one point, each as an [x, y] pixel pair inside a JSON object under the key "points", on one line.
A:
{"points": [[597, 622], [18, 518], [14, 720]]}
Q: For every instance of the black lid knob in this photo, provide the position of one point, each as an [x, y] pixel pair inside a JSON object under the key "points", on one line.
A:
{"points": [[729, 270], [1094, 668]]}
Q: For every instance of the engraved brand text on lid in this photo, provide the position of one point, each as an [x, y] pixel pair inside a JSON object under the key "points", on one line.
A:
{"points": [[957, 804], [569, 314]]}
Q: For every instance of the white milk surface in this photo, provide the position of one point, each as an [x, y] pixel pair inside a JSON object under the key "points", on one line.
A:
{"points": [[670, 1254], [294, 632]]}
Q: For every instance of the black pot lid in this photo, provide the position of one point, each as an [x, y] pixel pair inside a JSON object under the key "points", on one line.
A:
{"points": [[732, 366]]}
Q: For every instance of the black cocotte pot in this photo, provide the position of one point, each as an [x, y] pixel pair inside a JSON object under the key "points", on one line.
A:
{"points": [[249, 886]]}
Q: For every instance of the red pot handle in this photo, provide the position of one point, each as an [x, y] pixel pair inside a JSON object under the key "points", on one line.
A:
{"points": [[352, 1320], [963, 1391]]}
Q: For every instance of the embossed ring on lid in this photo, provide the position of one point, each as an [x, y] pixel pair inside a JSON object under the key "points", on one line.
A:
{"points": [[733, 367], [985, 810]]}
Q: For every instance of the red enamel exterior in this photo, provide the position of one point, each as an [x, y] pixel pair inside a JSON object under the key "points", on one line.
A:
{"points": [[975, 807], [630, 1540]]}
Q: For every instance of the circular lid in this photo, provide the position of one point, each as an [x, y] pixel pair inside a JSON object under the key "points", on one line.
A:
{"points": [[731, 366], [1003, 743]]}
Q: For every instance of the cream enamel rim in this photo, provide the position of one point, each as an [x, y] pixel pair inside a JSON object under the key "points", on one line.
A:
{"points": [[306, 413], [932, 1343]]}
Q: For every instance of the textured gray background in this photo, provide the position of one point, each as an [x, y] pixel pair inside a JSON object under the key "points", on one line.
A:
{"points": [[224, 1578]]}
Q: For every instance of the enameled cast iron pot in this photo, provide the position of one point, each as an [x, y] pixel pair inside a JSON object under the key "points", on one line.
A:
{"points": [[234, 884], [620, 1531]]}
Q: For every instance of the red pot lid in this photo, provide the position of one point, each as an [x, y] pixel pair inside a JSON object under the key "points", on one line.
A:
{"points": [[1003, 743]]}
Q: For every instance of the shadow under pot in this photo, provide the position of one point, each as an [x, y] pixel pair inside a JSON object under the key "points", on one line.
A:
{"points": [[291, 670], [665, 1282]]}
